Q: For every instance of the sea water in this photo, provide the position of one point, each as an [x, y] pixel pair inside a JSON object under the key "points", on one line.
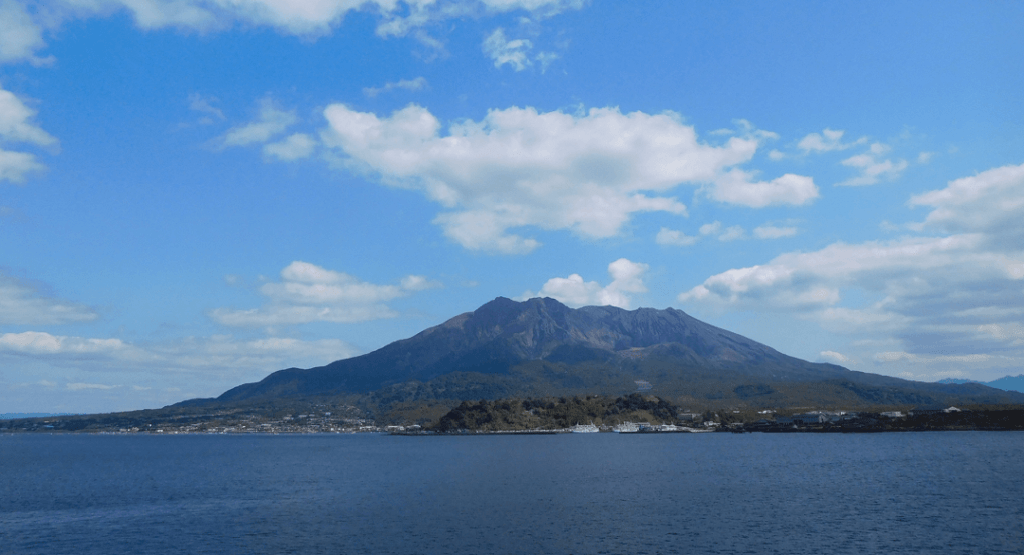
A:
{"points": [[939, 492]]}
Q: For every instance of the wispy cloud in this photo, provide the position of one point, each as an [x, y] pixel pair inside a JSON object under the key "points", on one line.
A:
{"points": [[24, 304], [309, 293], [17, 126], [204, 105], [271, 121], [827, 141], [22, 32], [872, 169], [416, 84]]}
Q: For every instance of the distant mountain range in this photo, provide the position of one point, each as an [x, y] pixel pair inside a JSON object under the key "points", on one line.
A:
{"points": [[542, 348], [1006, 383]]}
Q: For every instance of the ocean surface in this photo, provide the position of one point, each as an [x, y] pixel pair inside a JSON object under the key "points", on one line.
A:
{"points": [[934, 493]]}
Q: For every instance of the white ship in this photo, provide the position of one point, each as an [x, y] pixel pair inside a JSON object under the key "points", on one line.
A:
{"points": [[584, 429], [627, 428]]}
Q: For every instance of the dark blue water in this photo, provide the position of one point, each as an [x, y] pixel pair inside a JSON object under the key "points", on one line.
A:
{"points": [[584, 493]]}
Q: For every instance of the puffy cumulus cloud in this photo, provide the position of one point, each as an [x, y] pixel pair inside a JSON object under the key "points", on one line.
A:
{"points": [[956, 294], [23, 304], [739, 187], [871, 168], [990, 203], [272, 121], [774, 232], [22, 31], [17, 127], [309, 293], [627, 277], [827, 141], [518, 168], [416, 84], [294, 147]]}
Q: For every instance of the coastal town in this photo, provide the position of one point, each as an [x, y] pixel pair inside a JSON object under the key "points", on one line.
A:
{"points": [[351, 420]]}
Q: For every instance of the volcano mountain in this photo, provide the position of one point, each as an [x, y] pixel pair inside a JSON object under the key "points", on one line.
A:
{"points": [[542, 348]]}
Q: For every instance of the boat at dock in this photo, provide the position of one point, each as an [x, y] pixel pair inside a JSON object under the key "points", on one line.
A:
{"points": [[627, 428]]}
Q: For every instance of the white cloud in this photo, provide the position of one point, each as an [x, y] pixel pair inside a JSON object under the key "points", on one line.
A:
{"points": [[292, 148], [991, 203], [20, 36], [272, 121], [827, 141], [24, 304], [309, 293], [16, 126], [416, 84], [833, 356], [424, 12], [204, 105], [21, 32], [546, 59], [732, 234], [41, 343], [15, 166], [737, 187], [503, 51], [872, 170], [222, 354], [913, 358], [627, 277], [419, 283], [710, 228], [774, 232], [959, 292], [517, 168], [81, 386], [668, 236]]}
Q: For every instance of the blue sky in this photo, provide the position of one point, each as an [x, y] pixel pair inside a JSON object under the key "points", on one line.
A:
{"points": [[194, 194]]}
